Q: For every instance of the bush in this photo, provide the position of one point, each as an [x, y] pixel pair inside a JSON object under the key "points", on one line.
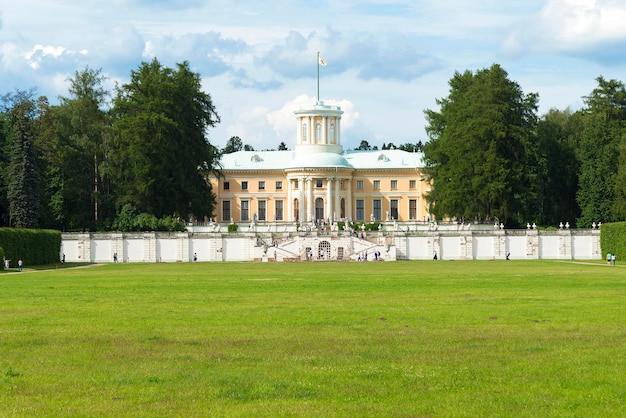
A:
{"points": [[34, 246], [613, 239], [233, 227], [128, 220]]}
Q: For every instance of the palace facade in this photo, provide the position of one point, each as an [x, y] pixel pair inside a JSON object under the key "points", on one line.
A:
{"points": [[319, 181]]}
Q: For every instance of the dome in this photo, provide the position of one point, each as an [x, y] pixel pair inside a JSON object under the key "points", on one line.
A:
{"points": [[319, 159]]}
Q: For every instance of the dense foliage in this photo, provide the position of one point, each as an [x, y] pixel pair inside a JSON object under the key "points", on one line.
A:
{"points": [[76, 165], [33, 246], [481, 157], [613, 239], [490, 156]]}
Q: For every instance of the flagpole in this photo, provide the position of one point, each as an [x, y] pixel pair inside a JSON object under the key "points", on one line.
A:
{"points": [[318, 76]]}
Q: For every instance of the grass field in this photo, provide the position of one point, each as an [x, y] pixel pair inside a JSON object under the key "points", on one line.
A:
{"points": [[446, 338]]}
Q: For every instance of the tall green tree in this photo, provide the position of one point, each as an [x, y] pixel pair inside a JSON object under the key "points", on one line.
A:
{"points": [[162, 155], [602, 140], [558, 135], [78, 189], [23, 171], [481, 158]]}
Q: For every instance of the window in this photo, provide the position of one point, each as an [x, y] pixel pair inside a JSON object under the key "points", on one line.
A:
{"points": [[360, 210], [412, 184], [359, 184], [296, 184], [261, 185], [279, 185], [394, 184], [377, 209], [342, 215], [318, 132], [278, 215], [331, 133], [226, 210], [376, 184], [393, 208], [319, 183], [305, 137], [342, 184], [227, 185], [245, 210], [262, 212], [413, 209], [244, 185], [319, 208]]}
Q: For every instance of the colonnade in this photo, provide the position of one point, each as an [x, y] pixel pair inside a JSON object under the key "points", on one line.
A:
{"points": [[301, 190]]}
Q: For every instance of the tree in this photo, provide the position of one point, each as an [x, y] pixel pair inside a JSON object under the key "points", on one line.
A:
{"points": [[23, 171], [600, 194], [364, 146], [558, 137], [78, 186], [481, 157], [248, 147], [163, 158], [282, 147], [234, 144]]}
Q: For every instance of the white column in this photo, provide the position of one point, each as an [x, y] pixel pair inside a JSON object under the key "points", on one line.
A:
{"points": [[338, 130], [337, 198], [329, 198], [301, 201], [289, 217], [349, 200], [309, 199]]}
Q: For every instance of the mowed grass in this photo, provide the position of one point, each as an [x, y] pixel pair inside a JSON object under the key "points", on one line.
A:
{"points": [[445, 338]]}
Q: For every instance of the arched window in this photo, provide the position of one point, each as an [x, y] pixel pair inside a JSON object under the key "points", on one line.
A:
{"points": [[296, 210], [305, 136], [331, 133], [318, 132], [343, 208]]}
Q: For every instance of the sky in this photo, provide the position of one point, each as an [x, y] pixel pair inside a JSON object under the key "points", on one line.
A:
{"points": [[387, 60]]}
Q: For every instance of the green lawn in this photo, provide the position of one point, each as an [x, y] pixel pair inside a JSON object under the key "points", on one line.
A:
{"points": [[445, 338]]}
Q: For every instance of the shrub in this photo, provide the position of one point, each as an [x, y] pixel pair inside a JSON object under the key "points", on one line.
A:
{"points": [[613, 239], [34, 246]]}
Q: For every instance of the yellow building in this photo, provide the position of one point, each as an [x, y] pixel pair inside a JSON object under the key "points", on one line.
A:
{"points": [[319, 181]]}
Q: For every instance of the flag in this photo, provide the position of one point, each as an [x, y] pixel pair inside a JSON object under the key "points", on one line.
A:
{"points": [[322, 62]]}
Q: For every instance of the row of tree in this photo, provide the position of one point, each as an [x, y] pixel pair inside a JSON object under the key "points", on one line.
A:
{"points": [[77, 164], [491, 157], [102, 160]]}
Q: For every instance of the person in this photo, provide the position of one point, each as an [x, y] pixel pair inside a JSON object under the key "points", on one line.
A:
{"points": [[613, 259], [115, 257], [63, 258], [608, 258], [20, 264], [435, 256], [508, 254], [195, 257], [7, 263]]}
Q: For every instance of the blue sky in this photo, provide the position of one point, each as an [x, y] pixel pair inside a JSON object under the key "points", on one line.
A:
{"points": [[388, 60]]}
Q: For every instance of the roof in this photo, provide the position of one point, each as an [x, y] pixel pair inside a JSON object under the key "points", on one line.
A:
{"points": [[280, 160]]}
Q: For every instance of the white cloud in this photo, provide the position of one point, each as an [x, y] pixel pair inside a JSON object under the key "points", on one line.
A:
{"points": [[592, 29]]}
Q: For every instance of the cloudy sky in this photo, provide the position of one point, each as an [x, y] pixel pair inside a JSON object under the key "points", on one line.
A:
{"points": [[388, 60]]}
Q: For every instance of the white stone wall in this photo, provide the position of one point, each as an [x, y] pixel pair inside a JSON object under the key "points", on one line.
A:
{"points": [[563, 244]]}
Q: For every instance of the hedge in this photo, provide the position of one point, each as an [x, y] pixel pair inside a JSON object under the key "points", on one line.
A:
{"points": [[33, 246], [613, 239]]}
